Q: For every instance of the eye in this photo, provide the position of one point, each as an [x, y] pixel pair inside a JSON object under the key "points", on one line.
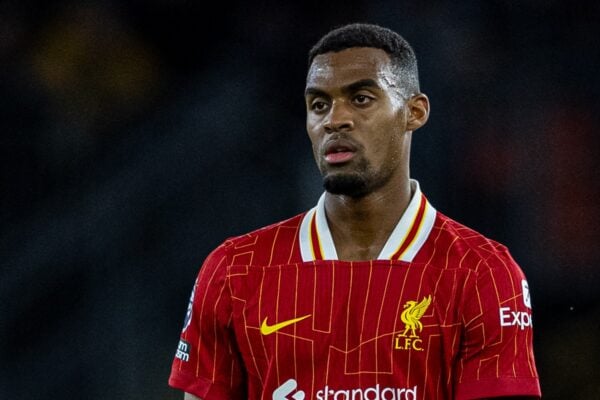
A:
{"points": [[362, 99], [318, 105]]}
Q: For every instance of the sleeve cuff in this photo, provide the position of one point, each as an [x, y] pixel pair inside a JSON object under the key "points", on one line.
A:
{"points": [[498, 387], [201, 387]]}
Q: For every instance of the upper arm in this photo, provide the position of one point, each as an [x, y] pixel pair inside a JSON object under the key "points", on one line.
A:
{"points": [[204, 362], [496, 354]]}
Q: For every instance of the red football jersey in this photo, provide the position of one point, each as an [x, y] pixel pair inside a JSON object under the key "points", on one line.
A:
{"points": [[443, 313]]}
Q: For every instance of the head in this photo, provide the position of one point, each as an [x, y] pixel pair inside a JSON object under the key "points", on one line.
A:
{"points": [[363, 102]]}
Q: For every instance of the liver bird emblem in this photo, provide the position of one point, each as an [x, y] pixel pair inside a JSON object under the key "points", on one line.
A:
{"points": [[412, 314]]}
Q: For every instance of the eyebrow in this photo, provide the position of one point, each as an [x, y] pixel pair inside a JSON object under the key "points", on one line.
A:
{"points": [[354, 86]]}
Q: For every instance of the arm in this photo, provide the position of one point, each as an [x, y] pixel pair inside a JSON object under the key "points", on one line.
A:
{"points": [[204, 363], [188, 396], [496, 349]]}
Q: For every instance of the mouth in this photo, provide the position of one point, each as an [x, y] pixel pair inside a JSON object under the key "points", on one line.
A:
{"points": [[339, 152]]}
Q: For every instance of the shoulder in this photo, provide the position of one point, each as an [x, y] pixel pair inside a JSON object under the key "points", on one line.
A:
{"points": [[267, 235], [276, 243], [467, 248], [493, 277]]}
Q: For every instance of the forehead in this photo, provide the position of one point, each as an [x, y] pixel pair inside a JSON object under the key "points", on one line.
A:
{"points": [[341, 68]]}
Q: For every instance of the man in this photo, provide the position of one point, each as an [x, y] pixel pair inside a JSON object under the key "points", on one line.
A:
{"points": [[372, 294]]}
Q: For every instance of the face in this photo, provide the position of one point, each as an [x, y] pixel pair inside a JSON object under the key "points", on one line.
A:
{"points": [[357, 121]]}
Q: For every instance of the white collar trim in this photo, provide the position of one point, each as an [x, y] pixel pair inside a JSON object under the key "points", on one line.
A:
{"points": [[405, 241]]}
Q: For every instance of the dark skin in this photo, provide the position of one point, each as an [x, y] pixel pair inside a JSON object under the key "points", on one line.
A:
{"points": [[351, 99], [360, 125]]}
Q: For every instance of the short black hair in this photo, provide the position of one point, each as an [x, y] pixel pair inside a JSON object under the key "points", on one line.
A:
{"points": [[400, 51]]}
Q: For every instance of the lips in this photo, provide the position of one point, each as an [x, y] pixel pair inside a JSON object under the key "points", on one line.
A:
{"points": [[339, 151]]}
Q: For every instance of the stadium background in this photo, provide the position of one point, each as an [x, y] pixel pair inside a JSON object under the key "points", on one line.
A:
{"points": [[137, 135]]}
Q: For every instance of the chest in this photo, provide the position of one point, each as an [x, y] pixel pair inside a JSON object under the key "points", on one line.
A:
{"points": [[373, 317]]}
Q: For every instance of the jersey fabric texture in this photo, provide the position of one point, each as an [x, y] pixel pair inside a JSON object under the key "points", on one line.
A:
{"points": [[442, 313]]}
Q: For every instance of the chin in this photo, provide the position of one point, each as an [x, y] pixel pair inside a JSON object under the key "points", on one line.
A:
{"points": [[346, 184]]}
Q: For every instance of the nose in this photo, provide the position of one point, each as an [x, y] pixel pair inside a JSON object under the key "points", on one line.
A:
{"points": [[339, 118]]}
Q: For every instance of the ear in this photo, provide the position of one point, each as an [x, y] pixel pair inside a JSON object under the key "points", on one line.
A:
{"points": [[418, 111]]}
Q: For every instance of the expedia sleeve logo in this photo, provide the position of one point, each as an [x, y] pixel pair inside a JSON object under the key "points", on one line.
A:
{"points": [[515, 318]]}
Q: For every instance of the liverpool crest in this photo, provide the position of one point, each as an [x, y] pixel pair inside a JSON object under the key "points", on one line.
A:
{"points": [[411, 316]]}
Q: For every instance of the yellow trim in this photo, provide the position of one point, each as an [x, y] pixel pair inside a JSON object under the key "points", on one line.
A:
{"points": [[417, 234]]}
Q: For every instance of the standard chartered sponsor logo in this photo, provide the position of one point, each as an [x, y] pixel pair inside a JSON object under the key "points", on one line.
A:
{"points": [[289, 390], [372, 393]]}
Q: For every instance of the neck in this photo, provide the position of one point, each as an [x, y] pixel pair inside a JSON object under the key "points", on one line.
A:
{"points": [[360, 227]]}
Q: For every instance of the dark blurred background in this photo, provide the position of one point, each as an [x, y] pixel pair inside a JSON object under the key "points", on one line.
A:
{"points": [[137, 135]]}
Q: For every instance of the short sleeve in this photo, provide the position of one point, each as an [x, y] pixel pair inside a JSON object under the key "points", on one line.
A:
{"points": [[496, 355], [207, 363]]}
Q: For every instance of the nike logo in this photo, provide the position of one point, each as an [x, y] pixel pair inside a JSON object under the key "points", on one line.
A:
{"points": [[266, 329]]}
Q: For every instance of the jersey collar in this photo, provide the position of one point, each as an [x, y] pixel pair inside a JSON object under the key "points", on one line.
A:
{"points": [[407, 238]]}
